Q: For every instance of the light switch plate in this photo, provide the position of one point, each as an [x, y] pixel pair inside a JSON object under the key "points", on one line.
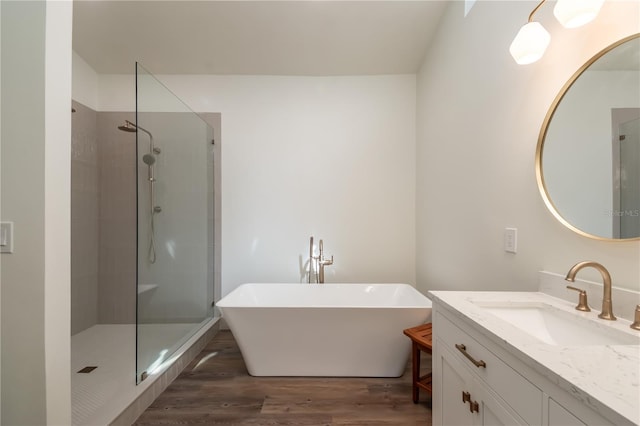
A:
{"points": [[6, 237]]}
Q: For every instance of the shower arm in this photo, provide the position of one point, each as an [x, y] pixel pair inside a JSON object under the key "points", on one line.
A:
{"points": [[152, 148]]}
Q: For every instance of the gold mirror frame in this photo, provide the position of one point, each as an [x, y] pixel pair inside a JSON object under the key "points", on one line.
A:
{"points": [[543, 133]]}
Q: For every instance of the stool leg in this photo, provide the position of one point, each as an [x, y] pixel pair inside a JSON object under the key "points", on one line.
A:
{"points": [[416, 371]]}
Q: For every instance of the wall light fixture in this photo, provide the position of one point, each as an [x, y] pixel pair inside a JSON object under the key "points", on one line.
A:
{"points": [[532, 40]]}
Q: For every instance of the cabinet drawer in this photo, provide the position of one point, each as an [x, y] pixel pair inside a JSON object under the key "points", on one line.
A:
{"points": [[517, 392], [455, 379]]}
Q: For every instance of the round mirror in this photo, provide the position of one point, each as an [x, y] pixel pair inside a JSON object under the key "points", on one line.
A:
{"points": [[588, 154]]}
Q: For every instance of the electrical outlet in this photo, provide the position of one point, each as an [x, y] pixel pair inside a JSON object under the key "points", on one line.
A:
{"points": [[6, 237], [511, 240]]}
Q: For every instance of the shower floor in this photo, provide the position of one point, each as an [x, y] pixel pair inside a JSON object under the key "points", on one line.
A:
{"points": [[98, 397]]}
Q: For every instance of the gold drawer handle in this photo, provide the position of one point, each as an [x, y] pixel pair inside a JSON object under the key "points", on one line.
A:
{"points": [[473, 405], [462, 348]]}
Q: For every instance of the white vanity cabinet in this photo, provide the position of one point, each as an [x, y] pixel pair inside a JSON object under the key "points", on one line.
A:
{"points": [[476, 382]]}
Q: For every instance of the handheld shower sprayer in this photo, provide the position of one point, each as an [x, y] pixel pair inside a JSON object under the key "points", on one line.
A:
{"points": [[148, 159]]}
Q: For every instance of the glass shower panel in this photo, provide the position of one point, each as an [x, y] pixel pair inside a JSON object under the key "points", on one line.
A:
{"points": [[175, 226], [630, 179]]}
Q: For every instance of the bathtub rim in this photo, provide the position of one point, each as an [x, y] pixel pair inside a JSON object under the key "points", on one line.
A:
{"points": [[224, 301]]}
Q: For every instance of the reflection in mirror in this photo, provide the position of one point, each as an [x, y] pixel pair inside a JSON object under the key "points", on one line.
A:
{"points": [[626, 173], [588, 156]]}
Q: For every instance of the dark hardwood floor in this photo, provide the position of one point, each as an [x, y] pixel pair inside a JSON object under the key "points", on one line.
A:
{"points": [[215, 389]]}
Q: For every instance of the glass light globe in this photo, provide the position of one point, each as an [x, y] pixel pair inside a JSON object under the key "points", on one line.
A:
{"points": [[530, 43], [574, 13]]}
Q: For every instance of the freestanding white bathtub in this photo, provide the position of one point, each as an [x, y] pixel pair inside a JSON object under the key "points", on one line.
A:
{"points": [[324, 329]]}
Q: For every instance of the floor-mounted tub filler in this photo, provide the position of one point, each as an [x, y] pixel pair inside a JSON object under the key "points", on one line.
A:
{"points": [[352, 330]]}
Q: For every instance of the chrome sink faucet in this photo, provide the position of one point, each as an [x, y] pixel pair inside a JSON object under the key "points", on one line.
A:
{"points": [[607, 308]]}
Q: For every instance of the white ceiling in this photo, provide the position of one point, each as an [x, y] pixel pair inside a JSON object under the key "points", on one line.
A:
{"points": [[255, 37]]}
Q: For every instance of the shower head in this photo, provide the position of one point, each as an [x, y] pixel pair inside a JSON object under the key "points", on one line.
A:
{"points": [[148, 159], [128, 127], [133, 128]]}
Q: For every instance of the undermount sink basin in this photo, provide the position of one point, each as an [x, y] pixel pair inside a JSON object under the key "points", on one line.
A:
{"points": [[555, 326]]}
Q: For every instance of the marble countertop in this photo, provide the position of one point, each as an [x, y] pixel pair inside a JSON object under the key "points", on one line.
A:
{"points": [[605, 378]]}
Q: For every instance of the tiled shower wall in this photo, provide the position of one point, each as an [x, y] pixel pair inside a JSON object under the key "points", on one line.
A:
{"points": [[117, 248], [103, 219], [84, 218]]}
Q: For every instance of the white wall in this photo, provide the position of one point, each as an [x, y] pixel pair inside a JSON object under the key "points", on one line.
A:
{"points": [[23, 396], [84, 83], [57, 214], [331, 157], [36, 86], [478, 120]]}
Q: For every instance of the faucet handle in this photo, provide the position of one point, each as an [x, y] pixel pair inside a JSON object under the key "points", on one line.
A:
{"points": [[326, 262], [636, 319], [582, 300]]}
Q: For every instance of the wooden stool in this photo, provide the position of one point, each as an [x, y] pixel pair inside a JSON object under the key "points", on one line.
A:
{"points": [[420, 341]]}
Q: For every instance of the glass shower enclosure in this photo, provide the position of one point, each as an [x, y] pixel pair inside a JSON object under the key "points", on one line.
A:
{"points": [[629, 186], [175, 223]]}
